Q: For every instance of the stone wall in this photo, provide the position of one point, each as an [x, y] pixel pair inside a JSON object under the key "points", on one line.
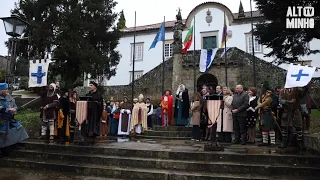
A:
{"points": [[239, 72], [149, 85]]}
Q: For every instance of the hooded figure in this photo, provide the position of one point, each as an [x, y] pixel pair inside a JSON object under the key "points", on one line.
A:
{"points": [[182, 106], [48, 112]]}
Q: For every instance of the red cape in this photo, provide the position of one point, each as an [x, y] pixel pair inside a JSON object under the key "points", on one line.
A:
{"points": [[170, 105]]}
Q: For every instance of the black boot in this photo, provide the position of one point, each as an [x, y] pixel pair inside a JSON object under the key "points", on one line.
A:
{"points": [[243, 139], [284, 142], [299, 138]]}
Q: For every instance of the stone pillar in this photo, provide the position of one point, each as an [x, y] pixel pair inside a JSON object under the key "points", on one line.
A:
{"points": [[176, 71], [177, 54]]}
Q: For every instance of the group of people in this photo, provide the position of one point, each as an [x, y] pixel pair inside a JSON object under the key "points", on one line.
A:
{"points": [[277, 112], [284, 111]]}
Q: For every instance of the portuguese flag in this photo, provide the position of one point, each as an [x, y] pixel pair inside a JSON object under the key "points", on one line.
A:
{"points": [[188, 40]]}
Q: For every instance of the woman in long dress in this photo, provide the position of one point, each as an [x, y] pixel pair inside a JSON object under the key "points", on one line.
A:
{"points": [[252, 115], [182, 105]]}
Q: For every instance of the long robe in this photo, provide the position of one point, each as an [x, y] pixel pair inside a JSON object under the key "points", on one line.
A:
{"points": [[11, 131], [166, 108], [95, 108], [139, 116], [181, 109], [124, 120]]}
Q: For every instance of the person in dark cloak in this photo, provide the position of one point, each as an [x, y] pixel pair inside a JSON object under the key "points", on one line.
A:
{"points": [[92, 126], [64, 121], [182, 106]]}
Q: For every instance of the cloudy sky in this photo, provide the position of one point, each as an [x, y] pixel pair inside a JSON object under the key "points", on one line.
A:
{"points": [[148, 11]]}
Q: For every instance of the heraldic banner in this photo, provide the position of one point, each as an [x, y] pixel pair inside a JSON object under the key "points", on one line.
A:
{"points": [[38, 73]]}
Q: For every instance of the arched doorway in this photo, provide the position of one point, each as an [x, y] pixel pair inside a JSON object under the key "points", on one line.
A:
{"points": [[208, 80]]}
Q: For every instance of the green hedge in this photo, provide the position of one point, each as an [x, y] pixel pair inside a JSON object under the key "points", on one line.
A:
{"points": [[28, 118]]}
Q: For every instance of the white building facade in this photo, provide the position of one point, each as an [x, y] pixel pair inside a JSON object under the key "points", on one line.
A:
{"points": [[207, 35]]}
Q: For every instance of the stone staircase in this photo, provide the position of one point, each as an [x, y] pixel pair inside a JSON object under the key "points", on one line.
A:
{"points": [[168, 132], [164, 161]]}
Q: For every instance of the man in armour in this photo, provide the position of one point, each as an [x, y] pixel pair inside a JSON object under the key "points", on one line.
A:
{"points": [[125, 117], [48, 114], [291, 117]]}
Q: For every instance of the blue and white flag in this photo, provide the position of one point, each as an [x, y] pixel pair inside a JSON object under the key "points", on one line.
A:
{"points": [[224, 51], [299, 76], [159, 37], [206, 58], [38, 73]]}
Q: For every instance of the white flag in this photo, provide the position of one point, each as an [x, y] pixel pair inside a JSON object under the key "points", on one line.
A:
{"points": [[206, 58], [299, 76], [38, 73]]}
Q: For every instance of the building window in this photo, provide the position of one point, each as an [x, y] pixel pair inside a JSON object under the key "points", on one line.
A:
{"points": [[139, 52], [168, 50], [257, 45], [209, 42], [137, 75]]}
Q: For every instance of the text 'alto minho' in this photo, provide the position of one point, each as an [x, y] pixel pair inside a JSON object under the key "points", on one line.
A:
{"points": [[299, 17]]}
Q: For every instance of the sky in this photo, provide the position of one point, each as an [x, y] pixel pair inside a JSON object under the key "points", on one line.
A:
{"points": [[148, 11]]}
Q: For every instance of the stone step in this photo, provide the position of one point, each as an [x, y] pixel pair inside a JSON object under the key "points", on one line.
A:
{"points": [[168, 133], [172, 128], [127, 172], [243, 154], [30, 174], [162, 137], [176, 165]]}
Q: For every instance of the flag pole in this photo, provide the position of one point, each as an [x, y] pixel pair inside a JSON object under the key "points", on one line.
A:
{"points": [[133, 55], [194, 55], [252, 41], [225, 53], [163, 57]]}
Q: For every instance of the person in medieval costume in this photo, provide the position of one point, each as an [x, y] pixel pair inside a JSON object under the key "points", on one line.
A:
{"points": [[48, 112], [63, 121], [139, 116], [11, 131], [92, 126], [291, 117], [150, 112], [166, 108], [73, 105], [182, 106], [125, 117], [266, 116]]}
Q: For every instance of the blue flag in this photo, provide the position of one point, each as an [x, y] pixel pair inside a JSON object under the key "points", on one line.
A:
{"points": [[159, 37]]}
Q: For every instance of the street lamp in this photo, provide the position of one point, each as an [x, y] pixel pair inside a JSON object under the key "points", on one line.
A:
{"points": [[14, 27]]}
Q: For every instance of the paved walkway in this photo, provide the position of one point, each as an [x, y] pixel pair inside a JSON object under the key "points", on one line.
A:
{"points": [[28, 95]]}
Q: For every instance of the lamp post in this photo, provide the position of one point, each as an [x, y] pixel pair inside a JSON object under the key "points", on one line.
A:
{"points": [[14, 27]]}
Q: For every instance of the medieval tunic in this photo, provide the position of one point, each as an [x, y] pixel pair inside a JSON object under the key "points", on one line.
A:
{"points": [[266, 117], [125, 117], [139, 117], [181, 109], [11, 131], [166, 109], [49, 116], [63, 123], [291, 110]]}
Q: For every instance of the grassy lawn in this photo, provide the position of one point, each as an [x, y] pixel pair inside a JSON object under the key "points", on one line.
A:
{"points": [[315, 121], [28, 118]]}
